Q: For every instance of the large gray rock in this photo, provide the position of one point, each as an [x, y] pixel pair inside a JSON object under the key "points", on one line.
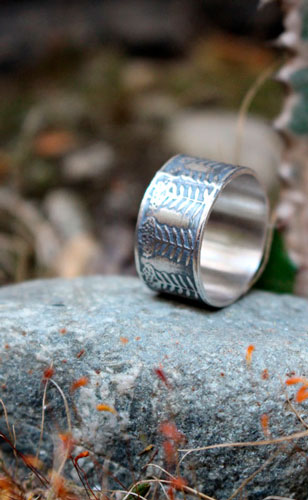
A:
{"points": [[126, 332]]}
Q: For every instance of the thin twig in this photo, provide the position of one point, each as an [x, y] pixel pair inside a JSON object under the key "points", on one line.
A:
{"points": [[250, 95], [131, 493], [165, 481], [43, 419], [67, 410], [292, 406], [278, 498], [7, 419], [162, 470], [38, 474], [69, 425], [163, 488], [254, 474], [84, 483], [242, 444]]}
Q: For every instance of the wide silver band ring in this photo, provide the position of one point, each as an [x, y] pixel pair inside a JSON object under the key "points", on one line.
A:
{"points": [[202, 230]]}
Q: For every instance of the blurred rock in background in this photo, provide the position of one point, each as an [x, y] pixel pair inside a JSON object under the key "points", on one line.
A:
{"points": [[213, 134], [31, 28], [96, 95]]}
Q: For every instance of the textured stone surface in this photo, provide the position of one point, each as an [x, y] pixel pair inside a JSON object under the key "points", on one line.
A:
{"points": [[126, 332]]}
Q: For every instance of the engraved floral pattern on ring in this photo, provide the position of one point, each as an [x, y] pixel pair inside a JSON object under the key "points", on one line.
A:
{"points": [[159, 195], [148, 273], [173, 214], [147, 232]]}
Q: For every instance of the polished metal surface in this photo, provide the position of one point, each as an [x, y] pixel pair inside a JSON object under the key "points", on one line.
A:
{"points": [[202, 230]]}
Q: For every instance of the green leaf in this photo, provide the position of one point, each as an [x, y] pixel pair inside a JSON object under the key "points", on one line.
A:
{"points": [[299, 80], [298, 121], [140, 489], [304, 19], [280, 271]]}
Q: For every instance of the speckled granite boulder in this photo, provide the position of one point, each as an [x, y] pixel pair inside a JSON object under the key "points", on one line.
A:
{"points": [[116, 333]]}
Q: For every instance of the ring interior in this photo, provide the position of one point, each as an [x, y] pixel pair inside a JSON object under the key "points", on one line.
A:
{"points": [[233, 240]]}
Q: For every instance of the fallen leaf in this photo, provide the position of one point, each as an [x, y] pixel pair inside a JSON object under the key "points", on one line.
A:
{"points": [[81, 382]]}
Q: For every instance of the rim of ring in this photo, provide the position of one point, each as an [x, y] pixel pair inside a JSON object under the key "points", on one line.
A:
{"points": [[201, 229]]}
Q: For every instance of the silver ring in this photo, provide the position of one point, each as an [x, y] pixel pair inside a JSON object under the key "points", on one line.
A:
{"points": [[202, 230]]}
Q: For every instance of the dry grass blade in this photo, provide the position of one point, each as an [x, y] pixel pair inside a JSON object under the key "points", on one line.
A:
{"points": [[38, 474], [253, 475], [131, 493], [243, 444], [7, 420], [163, 489], [14, 435], [186, 489], [83, 479], [293, 409], [197, 493], [42, 420], [250, 95], [40, 233], [57, 473], [67, 410], [161, 469], [278, 498], [154, 493], [105, 478]]}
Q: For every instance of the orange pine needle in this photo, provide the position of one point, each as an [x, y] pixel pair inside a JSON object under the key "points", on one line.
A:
{"points": [[146, 449], [161, 375], [33, 461], [124, 340], [81, 382], [5, 483], [249, 352], [61, 490], [171, 493], [48, 373], [169, 452], [264, 423], [170, 431], [178, 483], [59, 486], [296, 380], [67, 442], [83, 454], [302, 394], [104, 407]]}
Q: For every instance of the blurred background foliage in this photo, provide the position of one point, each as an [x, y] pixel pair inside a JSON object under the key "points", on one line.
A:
{"points": [[96, 95]]}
